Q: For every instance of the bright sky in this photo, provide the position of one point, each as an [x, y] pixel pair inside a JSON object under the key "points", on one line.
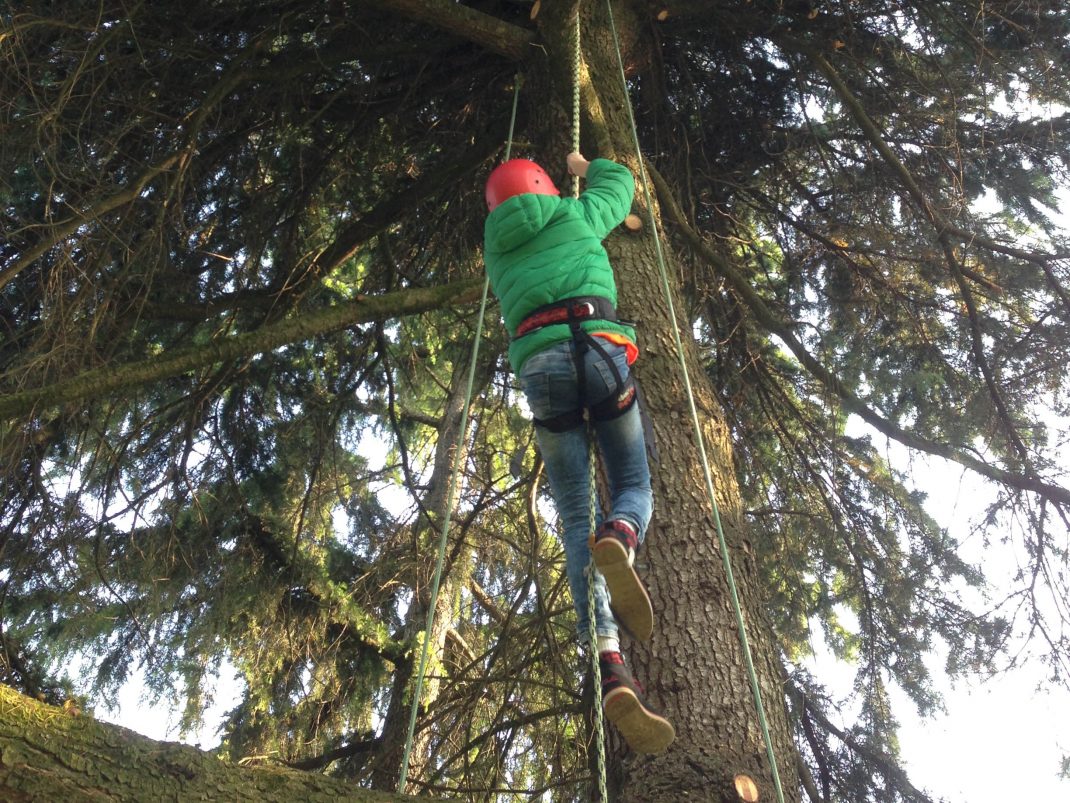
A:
{"points": [[1001, 739], [999, 742]]}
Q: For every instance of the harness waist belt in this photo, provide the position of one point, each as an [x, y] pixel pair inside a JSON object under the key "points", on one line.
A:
{"points": [[568, 310]]}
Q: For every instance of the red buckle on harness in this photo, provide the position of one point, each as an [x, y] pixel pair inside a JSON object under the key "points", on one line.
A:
{"points": [[566, 312]]}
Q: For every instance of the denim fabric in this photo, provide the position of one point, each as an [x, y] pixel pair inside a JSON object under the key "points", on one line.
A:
{"points": [[548, 379]]}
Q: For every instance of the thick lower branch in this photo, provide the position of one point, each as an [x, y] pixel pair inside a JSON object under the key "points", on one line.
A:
{"points": [[111, 379], [55, 754]]}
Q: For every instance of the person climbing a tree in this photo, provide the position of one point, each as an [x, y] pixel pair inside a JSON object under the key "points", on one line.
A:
{"points": [[549, 270]]}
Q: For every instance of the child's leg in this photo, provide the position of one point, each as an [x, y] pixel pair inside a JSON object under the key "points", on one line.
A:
{"points": [[623, 446], [549, 382], [565, 456], [617, 540]]}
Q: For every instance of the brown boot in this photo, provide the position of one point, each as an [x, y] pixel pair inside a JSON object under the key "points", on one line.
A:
{"points": [[614, 555], [643, 729]]}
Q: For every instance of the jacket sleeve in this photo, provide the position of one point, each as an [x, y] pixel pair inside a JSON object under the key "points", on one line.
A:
{"points": [[608, 196]]}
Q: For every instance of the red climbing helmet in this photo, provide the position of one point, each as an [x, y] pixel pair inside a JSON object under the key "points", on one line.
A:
{"points": [[515, 177]]}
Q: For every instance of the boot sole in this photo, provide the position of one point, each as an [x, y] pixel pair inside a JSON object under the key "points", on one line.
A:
{"points": [[627, 596], [642, 729]]}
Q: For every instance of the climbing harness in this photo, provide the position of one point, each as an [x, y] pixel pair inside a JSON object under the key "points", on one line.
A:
{"points": [[707, 473], [574, 311], [580, 308]]}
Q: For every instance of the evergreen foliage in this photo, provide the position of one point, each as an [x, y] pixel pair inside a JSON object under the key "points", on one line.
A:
{"points": [[860, 197]]}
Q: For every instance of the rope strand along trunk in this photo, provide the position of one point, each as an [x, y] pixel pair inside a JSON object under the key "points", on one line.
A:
{"points": [[596, 670], [696, 424], [577, 60]]}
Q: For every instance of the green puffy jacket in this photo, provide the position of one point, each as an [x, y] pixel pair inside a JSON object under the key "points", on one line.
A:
{"points": [[544, 248]]}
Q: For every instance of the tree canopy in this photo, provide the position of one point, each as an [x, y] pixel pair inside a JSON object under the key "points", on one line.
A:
{"points": [[240, 255]]}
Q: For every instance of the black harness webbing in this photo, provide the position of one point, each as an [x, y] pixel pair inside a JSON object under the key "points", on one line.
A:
{"points": [[625, 392]]}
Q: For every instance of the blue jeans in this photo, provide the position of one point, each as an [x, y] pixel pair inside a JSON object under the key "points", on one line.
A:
{"points": [[548, 379]]}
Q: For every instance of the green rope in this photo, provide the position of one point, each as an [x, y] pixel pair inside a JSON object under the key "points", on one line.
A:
{"points": [[577, 60], [442, 541], [455, 470], [707, 473], [592, 631], [517, 83]]}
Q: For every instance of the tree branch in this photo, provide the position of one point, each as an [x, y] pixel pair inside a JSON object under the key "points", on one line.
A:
{"points": [[345, 751], [486, 601], [944, 231], [943, 226], [56, 754], [103, 381], [489, 32], [887, 764], [829, 380], [389, 210], [58, 231]]}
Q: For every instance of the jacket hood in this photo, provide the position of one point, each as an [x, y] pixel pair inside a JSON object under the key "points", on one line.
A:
{"points": [[518, 219]]}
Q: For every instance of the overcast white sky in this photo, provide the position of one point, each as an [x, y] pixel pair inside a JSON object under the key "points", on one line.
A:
{"points": [[1001, 739]]}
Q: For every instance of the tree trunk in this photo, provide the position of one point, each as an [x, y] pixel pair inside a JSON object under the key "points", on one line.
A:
{"points": [[49, 754], [456, 574], [693, 668], [694, 665]]}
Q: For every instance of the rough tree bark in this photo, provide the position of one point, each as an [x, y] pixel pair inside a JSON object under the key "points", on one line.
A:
{"points": [[50, 754]]}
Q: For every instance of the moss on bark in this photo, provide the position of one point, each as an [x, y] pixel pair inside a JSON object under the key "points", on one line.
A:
{"points": [[50, 754]]}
